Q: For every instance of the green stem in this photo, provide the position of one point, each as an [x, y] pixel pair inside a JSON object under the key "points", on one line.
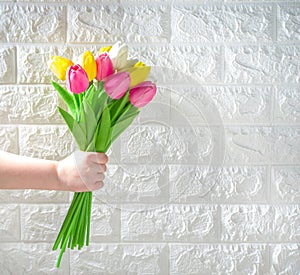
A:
{"points": [[89, 219], [67, 220], [71, 227]]}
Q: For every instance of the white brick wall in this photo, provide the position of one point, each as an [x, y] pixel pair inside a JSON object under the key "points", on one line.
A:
{"points": [[206, 180]]}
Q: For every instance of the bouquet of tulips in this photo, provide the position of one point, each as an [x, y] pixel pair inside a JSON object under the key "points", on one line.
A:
{"points": [[104, 95]]}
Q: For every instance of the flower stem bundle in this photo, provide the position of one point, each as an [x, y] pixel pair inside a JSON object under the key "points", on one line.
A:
{"points": [[104, 95]]}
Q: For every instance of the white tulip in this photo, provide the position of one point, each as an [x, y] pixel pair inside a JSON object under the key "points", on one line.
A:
{"points": [[118, 55]]}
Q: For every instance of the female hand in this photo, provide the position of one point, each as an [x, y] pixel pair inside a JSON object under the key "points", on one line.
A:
{"points": [[82, 171]]}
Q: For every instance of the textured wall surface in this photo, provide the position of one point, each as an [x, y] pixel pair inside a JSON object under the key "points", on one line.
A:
{"points": [[206, 180]]}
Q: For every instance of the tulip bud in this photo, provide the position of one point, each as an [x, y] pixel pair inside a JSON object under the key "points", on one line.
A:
{"points": [[104, 66], [104, 49], [87, 62], [139, 64], [117, 84], [118, 55], [59, 65], [77, 79], [142, 94], [138, 74]]}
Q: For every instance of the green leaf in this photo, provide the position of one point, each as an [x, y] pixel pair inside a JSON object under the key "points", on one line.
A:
{"points": [[130, 111], [79, 136], [75, 129], [67, 118], [104, 131], [89, 94], [100, 103], [66, 96], [90, 121], [120, 127], [117, 107]]}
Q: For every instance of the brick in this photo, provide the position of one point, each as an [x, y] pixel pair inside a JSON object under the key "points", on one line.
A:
{"points": [[41, 223], [49, 142], [120, 259], [29, 105], [288, 23], [140, 183], [221, 23], [193, 184], [9, 223], [156, 223], [141, 24], [143, 144], [218, 259], [31, 258], [32, 63], [285, 259], [262, 144], [221, 105], [262, 64], [193, 106], [245, 223], [252, 223], [32, 23], [9, 139], [287, 105], [33, 196], [7, 65], [285, 184], [105, 223], [143, 183], [162, 144], [284, 223], [187, 64]]}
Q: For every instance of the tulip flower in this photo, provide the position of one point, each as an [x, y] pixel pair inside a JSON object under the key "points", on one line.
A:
{"points": [[77, 79], [104, 66], [88, 63], [117, 84], [138, 73], [118, 55], [142, 94], [59, 65], [104, 49]]}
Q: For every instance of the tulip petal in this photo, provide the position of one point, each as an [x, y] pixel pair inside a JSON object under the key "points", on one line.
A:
{"points": [[138, 74], [88, 63], [117, 84]]}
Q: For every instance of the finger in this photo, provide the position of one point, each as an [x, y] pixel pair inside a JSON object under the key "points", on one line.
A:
{"points": [[101, 168], [97, 158], [99, 177], [97, 168], [97, 185]]}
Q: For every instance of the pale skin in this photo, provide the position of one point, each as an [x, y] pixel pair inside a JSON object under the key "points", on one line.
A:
{"points": [[79, 172]]}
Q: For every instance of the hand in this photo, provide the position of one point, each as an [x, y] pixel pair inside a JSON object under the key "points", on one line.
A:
{"points": [[82, 171]]}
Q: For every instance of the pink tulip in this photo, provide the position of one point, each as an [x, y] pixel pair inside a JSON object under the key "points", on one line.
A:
{"points": [[142, 94], [104, 66], [77, 79], [117, 84]]}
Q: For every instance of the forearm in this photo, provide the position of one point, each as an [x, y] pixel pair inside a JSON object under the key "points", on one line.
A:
{"points": [[19, 172]]}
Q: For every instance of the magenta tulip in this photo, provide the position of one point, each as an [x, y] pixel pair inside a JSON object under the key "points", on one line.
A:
{"points": [[104, 66], [142, 94], [117, 84], [77, 79]]}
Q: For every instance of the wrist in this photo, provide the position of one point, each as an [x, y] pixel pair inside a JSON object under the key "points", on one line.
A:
{"points": [[57, 179]]}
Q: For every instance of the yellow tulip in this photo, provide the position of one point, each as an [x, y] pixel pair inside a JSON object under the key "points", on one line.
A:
{"points": [[139, 64], [59, 65], [138, 74], [88, 63], [104, 49]]}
